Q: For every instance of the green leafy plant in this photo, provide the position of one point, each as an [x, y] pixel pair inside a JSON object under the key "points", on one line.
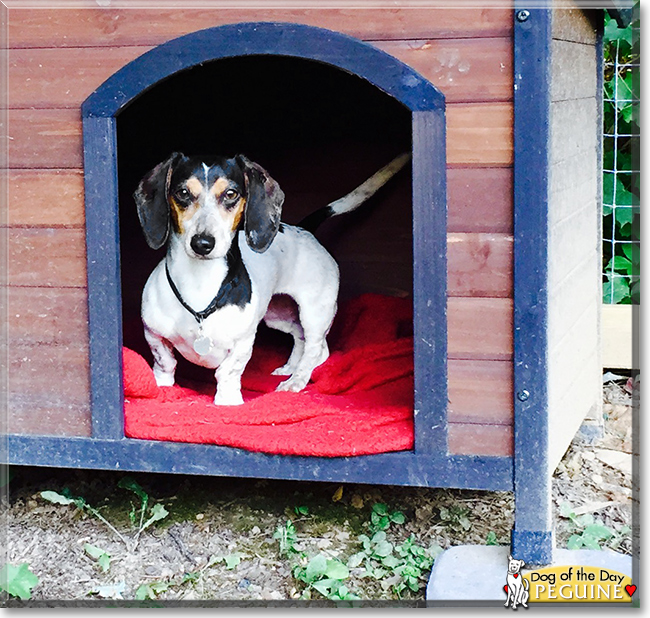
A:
{"points": [[376, 555], [587, 532], [18, 581], [456, 517], [381, 518], [286, 536], [320, 573], [415, 564], [151, 590], [66, 499], [326, 576], [231, 561], [396, 566], [99, 555], [621, 179], [491, 538], [402, 566], [156, 513]]}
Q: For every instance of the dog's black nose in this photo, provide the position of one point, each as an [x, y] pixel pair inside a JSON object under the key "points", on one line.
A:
{"points": [[202, 244]]}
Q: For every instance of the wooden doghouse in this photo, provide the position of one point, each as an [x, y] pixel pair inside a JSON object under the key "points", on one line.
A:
{"points": [[495, 235]]}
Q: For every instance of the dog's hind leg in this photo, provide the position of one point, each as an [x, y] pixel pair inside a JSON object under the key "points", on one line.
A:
{"points": [[164, 361], [289, 368], [282, 315], [315, 322]]}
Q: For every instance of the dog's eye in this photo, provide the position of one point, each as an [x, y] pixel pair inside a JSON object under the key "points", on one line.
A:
{"points": [[231, 195], [182, 194]]}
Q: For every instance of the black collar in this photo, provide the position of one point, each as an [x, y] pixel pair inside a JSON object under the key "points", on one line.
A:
{"points": [[235, 288]]}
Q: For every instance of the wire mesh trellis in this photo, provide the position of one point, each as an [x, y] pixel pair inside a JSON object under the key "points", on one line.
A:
{"points": [[621, 168]]}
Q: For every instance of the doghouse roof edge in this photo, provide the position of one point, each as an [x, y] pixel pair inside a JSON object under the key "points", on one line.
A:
{"points": [[263, 38]]}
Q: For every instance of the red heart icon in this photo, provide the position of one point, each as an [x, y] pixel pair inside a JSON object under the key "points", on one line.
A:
{"points": [[516, 575], [506, 587], [630, 589]]}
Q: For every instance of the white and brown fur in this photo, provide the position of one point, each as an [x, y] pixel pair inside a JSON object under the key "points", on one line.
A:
{"points": [[220, 219]]}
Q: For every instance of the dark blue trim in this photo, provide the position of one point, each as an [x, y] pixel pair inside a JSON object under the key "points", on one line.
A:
{"points": [[264, 38], [533, 518], [429, 215], [430, 282], [402, 468], [103, 268], [535, 545]]}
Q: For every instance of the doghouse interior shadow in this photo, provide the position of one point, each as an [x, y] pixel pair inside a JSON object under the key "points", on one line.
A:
{"points": [[318, 130]]}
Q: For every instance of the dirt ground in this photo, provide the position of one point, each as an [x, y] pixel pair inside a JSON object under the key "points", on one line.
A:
{"points": [[221, 537]]}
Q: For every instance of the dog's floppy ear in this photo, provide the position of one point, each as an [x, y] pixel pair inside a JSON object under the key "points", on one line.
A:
{"points": [[264, 200], [151, 200]]}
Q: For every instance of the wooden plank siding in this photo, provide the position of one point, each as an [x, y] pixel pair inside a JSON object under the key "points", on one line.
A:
{"points": [[57, 57], [479, 200], [574, 288], [479, 265], [48, 390], [469, 439], [478, 135], [47, 376], [47, 257], [45, 198], [465, 69], [111, 27], [479, 328]]}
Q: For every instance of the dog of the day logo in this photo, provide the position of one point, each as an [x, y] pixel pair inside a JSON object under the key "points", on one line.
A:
{"points": [[565, 584]]}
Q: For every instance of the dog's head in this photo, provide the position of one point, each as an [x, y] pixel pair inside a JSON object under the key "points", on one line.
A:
{"points": [[204, 202], [514, 566]]}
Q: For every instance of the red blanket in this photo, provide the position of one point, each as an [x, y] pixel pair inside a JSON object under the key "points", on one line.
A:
{"points": [[359, 402]]}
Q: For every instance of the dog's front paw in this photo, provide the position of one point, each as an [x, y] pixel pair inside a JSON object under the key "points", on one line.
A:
{"points": [[228, 399], [293, 385], [163, 378]]}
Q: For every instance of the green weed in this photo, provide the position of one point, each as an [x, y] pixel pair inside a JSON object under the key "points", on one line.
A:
{"points": [[66, 499], [381, 518], [156, 512], [151, 590], [589, 533], [396, 566], [18, 581], [456, 517], [326, 576], [286, 536], [99, 555]]}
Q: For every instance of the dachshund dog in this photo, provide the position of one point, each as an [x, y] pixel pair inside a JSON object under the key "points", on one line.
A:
{"points": [[231, 263]]}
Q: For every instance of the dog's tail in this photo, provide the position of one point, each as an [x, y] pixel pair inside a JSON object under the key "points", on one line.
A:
{"points": [[358, 196]]}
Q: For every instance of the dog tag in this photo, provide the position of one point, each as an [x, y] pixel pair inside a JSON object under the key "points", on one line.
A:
{"points": [[202, 345]]}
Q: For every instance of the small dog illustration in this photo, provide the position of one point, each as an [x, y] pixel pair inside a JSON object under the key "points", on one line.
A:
{"points": [[517, 587]]}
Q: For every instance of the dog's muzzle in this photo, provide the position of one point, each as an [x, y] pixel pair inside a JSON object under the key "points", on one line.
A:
{"points": [[202, 244]]}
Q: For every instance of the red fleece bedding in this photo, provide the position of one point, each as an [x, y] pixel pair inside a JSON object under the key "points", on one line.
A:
{"points": [[360, 401]]}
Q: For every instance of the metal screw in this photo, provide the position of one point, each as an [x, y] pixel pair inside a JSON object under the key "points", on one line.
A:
{"points": [[523, 15], [523, 395]]}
